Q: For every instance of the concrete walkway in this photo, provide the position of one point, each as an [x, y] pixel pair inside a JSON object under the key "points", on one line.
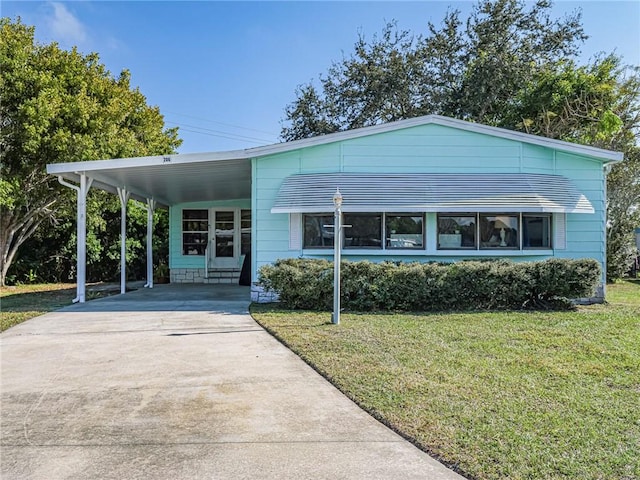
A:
{"points": [[179, 382]]}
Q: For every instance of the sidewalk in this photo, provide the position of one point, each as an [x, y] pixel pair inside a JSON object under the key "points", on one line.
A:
{"points": [[180, 383]]}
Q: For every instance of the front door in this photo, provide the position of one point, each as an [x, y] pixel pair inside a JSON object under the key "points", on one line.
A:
{"points": [[230, 237]]}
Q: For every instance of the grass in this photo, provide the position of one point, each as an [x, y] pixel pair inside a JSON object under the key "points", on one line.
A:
{"points": [[624, 292], [22, 302], [493, 394]]}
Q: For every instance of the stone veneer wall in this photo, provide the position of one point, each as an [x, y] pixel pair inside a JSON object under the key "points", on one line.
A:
{"points": [[196, 275], [259, 295]]}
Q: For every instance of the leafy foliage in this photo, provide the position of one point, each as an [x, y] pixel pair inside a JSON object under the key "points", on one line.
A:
{"points": [[467, 285], [509, 64], [61, 106]]}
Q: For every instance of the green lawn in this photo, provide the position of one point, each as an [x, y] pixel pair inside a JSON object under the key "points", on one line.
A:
{"points": [[494, 394], [23, 302]]}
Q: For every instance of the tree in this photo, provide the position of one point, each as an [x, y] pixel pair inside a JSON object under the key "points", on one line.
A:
{"points": [[60, 106], [506, 66], [465, 70]]}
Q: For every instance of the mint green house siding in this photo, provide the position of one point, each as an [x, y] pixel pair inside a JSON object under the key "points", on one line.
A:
{"points": [[427, 149], [449, 190]]}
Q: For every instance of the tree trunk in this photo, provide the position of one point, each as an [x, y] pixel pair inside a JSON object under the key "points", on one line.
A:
{"points": [[15, 231]]}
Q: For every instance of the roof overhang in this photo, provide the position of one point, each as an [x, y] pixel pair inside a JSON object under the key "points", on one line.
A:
{"points": [[168, 179], [505, 192], [172, 179]]}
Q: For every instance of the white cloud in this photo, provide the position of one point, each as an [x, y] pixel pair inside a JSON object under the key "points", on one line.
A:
{"points": [[65, 27]]}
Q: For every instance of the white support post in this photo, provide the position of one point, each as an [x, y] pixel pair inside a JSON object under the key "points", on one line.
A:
{"points": [[124, 198], [81, 246], [337, 244], [150, 206]]}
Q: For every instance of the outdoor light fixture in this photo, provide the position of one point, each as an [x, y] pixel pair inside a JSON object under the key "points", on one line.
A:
{"points": [[337, 198], [337, 243]]}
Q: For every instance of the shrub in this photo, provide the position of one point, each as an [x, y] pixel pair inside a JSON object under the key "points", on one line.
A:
{"points": [[466, 285]]}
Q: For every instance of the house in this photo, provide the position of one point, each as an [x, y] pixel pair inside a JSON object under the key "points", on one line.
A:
{"points": [[423, 189]]}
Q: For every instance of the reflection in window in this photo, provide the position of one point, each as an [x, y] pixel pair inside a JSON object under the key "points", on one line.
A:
{"points": [[224, 234], [318, 231], [499, 231], [195, 231], [404, 230], [365, 230], [245, 232], [536, 231], [456, 231]]}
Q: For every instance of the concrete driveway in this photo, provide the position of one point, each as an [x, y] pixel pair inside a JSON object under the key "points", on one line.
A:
{"points": [[179, 382]]}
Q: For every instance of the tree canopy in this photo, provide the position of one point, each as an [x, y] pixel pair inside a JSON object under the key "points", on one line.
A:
{"points": [[509, 64], [60, 106]]}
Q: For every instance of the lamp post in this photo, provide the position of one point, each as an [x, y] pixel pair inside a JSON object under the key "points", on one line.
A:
{"points": [[337, 244]]}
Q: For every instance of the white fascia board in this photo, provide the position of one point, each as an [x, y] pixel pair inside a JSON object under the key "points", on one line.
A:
{"points": [[603, 155], [599, 153], [172, 159]]}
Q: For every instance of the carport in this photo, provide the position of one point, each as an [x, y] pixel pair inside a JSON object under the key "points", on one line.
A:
{"points": [[157, 182]]}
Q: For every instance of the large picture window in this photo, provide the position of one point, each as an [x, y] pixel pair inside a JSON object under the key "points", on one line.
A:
{"points": [[457, 231], [318, 231], [536, 231], [365, 230], [499, 231], [404, 230], [494, 231], [195, 231]]}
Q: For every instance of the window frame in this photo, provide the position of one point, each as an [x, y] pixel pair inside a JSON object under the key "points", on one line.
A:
{"points": [[517, 246], [387, 238], [549, 232], [346, 222], [194, 232], [476, 232], [304, 230]]}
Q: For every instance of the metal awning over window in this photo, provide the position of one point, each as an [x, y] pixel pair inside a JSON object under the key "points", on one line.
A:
{"points": [[486, 192]]}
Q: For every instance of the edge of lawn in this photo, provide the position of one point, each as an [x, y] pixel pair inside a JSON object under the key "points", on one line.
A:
{"points": [[256, 307]]}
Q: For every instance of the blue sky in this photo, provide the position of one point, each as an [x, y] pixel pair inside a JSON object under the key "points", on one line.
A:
{"points": [[224, 71]]}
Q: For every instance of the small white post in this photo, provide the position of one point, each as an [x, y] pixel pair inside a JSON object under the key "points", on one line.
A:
{"points": [[150, 206], [124, 198], [337, 245]]}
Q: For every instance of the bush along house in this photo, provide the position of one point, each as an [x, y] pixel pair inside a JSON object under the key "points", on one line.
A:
{"points": [[425, 189]]}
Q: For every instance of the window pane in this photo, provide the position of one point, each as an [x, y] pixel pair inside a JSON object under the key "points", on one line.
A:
{"points": [[195, 227], [536, 231], [194, 243], [498, 231], [316, 234], [404, 231], [365, 230], [224, 234], [456, 231], [245, 232], [195, 215]]}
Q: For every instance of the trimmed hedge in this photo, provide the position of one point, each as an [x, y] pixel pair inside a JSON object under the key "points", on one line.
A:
{"points": [[467, 285]]}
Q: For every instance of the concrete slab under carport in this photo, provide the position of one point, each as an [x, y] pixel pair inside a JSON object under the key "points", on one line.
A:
{"points": [[180, 382]]}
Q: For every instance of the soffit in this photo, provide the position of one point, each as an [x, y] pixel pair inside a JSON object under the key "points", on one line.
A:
{"points": [[168, 182]]}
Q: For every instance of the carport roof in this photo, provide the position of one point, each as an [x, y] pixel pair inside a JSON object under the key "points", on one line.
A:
{"points": [[179, 178]]}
